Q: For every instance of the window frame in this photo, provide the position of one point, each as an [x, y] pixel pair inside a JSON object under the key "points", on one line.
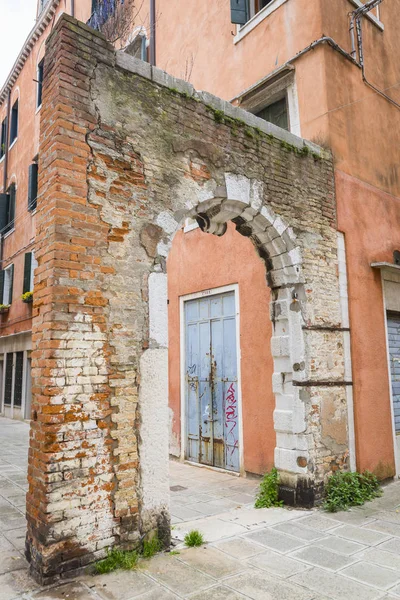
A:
{"points": [[256, 19], [3, 137], [39, 83], [14, 123], [8, 279]]}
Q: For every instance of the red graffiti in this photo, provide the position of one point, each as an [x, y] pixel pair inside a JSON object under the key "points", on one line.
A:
{"points": [[231, 418]]}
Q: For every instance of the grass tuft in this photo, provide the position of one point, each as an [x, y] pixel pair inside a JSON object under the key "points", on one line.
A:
{"points": [[269, 491], [117, 559], [151, 547], [194, 538], [344, 490]]}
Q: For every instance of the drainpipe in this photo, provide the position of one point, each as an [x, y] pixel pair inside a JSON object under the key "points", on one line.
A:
{"points": [[72, 8], [153, 32]]}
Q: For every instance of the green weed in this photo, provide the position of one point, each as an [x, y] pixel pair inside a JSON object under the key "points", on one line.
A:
{"points": [[350, 489], [269, 491], [117, 559], [151, 547], [194, 538]]}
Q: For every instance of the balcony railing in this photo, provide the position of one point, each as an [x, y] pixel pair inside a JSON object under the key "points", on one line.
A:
{"points": [[101, 11]]}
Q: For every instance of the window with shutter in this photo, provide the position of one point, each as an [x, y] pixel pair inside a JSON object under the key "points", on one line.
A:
{"points": [[19, 367], [10, 208], [29, 271], [8, 284], [8, 379], [40, 73], [240, 11], [14, 123], [3, 138], [4, 204], [32, 186]]}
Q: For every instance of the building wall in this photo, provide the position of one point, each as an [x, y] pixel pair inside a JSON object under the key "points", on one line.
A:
{"points": [[338, 110], [21, 155], [199, 262]]}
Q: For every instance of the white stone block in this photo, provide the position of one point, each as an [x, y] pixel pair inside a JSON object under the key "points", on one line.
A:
{"points": [[237, 187], [158, 309], [256, 194], [280, 345], [167, 222]]}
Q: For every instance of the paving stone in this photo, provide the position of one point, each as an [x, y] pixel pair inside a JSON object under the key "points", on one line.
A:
{"points": [[296, 530], [381, 558], [217, 593], [16, 537], [276, 564], [257, 517], [373, 575], [392, 545], [212, 528], [72, 591], [340, 545], [15, 583], [393, 516], [177, 576], [119, 585], [7, 524], [158, 593], [211, 561], [261, 586], [318, 522], [185, 513], [334, 586], [240, 548], [5, 544], [206, 508], [321, 557], [11, 560], [275, 540], [352, 517], [361, 535], [392, 529]]}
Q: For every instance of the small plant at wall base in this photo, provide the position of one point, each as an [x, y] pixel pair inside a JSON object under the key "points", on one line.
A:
{"points": [[27, 297], [344, 490], [151, 547], [194, 538], [117, 559], [4, 308], [268, 494]]}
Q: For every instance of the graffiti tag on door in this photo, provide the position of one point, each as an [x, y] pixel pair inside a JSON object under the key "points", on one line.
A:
{"points": [[231, 418]]}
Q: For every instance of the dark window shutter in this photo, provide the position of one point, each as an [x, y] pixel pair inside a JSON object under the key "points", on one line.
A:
{"points": [[19, 369], [14, 122], [239, 11], [1, 286], [32, 186], [4, 204], [27, 272], [11, 282], [11, 207], [40, 73]]}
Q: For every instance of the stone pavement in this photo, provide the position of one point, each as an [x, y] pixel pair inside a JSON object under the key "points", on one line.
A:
{"points": [[269, 554]]}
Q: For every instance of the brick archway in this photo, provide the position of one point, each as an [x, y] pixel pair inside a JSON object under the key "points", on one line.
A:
{"points": [[128, 152]]}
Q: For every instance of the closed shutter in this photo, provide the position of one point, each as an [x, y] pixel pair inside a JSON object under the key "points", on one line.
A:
{"points": [[32, 186], [239, 11], [8, 379], [19, 365], [11, 208], [27, 273], [1, 286], [4, 204], [10, 294]]}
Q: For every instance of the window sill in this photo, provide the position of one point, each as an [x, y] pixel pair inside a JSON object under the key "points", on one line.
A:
{"points": [[8, 233], [13, 144], [256, 20], [369, 15]]}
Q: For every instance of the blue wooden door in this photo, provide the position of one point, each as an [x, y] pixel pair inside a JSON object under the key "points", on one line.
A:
{"points": [[212, 421]]}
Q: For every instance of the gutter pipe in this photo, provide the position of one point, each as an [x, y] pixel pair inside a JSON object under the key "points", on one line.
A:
{"points": [[153, 33]]}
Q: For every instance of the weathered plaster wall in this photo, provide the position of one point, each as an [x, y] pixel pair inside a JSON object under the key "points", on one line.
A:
{"points": [[126, 154]]}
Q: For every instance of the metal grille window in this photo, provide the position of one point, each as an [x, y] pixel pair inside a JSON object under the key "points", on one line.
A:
{"points": [[276, 113], [19, 364], [8, 379]]}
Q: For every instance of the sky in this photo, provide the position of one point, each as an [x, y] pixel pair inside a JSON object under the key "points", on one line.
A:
{"points": [[17, 18]]}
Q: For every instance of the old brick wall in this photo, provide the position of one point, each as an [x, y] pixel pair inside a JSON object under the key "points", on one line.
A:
{"points": [[126, 154]]}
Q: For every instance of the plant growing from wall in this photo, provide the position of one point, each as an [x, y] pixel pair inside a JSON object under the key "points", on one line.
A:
{"points": [[151, 547], [27, 297], [117, 559], [268, 494], [194, 538], [344, 490]]}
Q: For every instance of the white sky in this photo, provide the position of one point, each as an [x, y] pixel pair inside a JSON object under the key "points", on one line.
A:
{"points": [[17, 17]]}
